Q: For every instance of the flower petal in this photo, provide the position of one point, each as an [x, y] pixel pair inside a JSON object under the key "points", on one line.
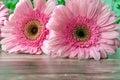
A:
{"points": [[39, 4], [94, 53], [50, 6], [110, 35], [24, 6]]}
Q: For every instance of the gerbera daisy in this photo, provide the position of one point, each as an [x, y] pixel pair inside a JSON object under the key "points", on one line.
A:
{"points": [[82, 29], [26, 30], [4, 12]]}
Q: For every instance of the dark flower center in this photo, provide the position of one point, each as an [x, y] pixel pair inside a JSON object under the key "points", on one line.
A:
{"points": [[32, 29], [82, 33]]}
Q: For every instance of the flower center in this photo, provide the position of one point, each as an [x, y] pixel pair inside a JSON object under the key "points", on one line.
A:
{"points": [[82, 33], [32, 29]]}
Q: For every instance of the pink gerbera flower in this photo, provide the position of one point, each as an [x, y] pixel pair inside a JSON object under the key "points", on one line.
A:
{"points": [[26, 30], [82, 29], [4, 12]]}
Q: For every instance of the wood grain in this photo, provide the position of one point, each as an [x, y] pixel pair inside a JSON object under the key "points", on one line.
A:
{"points": [[41, 67]]}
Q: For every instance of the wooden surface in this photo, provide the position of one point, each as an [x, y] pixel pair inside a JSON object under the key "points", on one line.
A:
{"points": [[41, 67]]}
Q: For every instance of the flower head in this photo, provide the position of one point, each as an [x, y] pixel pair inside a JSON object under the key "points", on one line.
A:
{"points": [[26, 30], [4, 12], [82, 29]]}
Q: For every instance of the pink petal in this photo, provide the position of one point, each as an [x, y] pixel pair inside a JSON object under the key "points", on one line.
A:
{"points": [[110, 20], [94, 53], [8, 39], [74, 8], [110, 28], [82, 8], [63, 17], [15, 49], [39, 52], [110, 35], [81, 54], [117, 42], [104, 19], [94, 9], [106, 41], [8, 46], [73, 52], [103, 53], [45, 47], [39, 4], [50, 6], [108, 48], [64, 51], [24, 6]]}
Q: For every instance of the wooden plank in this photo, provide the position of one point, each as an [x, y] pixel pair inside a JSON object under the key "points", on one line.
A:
{"points": [[41, 67], [61, 77]]}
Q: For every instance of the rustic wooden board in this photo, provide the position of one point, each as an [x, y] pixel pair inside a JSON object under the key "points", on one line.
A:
{"points": [[41, 67]]}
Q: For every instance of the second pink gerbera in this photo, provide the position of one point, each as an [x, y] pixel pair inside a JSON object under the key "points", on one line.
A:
{"points": [[82, 29], [26, 30]]}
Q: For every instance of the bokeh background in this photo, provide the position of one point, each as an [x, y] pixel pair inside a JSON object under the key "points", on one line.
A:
{"points": [[114, 5]]}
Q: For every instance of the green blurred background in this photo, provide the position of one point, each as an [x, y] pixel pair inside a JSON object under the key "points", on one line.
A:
{"points": [[114, 5]]}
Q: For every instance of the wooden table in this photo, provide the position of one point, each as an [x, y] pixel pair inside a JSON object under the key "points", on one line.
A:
{"points": [[41, 67]]}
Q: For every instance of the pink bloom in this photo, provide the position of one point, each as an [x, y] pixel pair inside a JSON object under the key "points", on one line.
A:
{"points": [[4, 12], [26, 30], [82, 29]]}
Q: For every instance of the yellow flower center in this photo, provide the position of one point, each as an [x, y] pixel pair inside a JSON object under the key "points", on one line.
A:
{"points": [[32, 29], [82, 33]]}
